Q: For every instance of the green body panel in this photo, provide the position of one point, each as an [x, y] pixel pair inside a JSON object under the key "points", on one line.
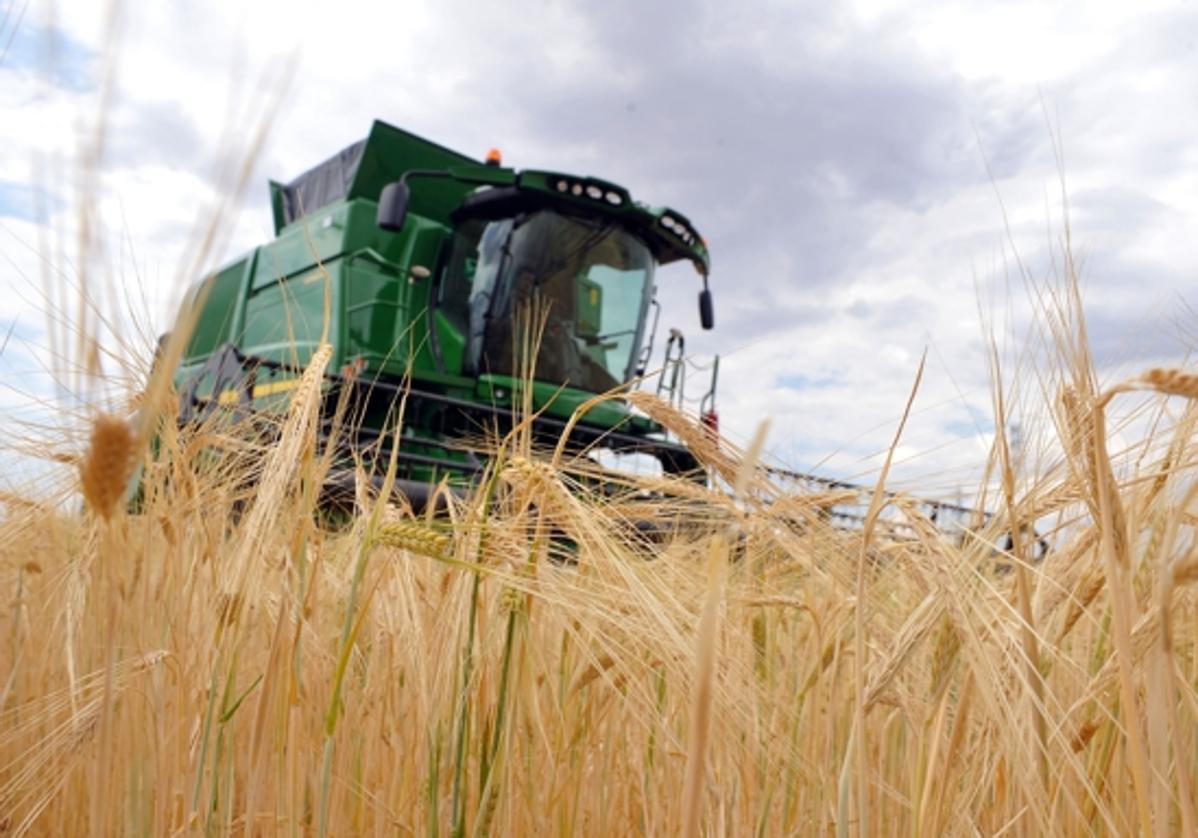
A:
{"points": [[332, 273], [388, 153], [557, 401], [222, 294]]}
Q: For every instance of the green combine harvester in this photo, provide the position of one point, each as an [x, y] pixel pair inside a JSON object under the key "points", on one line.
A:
{"points": [[428, 257]]}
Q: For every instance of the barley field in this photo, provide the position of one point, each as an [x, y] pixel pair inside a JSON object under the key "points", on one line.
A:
{"points": [[192, 644], [222, 657]]}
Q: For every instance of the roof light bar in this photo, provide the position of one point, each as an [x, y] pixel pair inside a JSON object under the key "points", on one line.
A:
{"points": [[589, 189], [680, 230]]}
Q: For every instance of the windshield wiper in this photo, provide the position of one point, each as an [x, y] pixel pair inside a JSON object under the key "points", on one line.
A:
{"points": [[595, 340]]}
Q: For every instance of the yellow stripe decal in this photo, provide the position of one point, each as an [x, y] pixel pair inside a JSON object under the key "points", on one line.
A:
{"points": [[269, 389], [276, 387]]}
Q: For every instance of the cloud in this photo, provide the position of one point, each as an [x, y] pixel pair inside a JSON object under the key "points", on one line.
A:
{"points": [[159, 133]]}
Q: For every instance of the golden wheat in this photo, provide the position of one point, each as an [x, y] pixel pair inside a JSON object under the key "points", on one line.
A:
{"points": [[1172, 382], [106, 466], [414, 538]]}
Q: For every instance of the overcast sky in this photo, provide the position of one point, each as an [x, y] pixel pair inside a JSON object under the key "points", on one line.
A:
{"points": [[849, 165]]}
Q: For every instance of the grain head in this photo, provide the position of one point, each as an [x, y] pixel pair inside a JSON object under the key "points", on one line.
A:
{"points": [[106, 466]]}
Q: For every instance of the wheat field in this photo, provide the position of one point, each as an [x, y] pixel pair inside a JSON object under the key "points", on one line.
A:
{"points": [[223, 657]]}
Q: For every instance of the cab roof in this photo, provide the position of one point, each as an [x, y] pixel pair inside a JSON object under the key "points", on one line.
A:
{"points": [[388, 154]]}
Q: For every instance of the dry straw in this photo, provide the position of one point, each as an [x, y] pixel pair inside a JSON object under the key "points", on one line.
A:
{"points": [[630, 686]]}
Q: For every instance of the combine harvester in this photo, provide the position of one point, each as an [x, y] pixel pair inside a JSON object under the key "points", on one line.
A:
{"points": [[422, 257], [427, 256]]}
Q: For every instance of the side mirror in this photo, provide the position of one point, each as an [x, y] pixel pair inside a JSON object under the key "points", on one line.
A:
{"points": [[706, 309], [393, 206]]}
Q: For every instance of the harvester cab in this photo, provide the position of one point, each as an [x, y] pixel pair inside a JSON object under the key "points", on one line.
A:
{"points": [[429, 259]]}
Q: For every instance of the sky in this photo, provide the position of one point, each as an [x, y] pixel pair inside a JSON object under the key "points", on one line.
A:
{"points": [[871, 177]]}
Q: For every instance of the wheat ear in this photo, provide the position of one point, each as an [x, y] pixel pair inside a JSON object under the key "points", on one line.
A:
{"points": [[105, 468]]}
